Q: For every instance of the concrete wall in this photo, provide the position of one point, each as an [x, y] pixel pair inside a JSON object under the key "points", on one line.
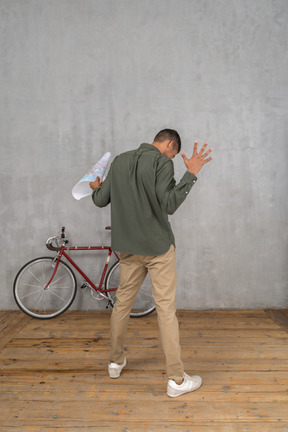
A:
{"points": [[81, 77]]}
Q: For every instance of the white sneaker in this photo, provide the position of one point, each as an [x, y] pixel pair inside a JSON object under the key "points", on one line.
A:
{"points": [[189, 384], [115, 369]]}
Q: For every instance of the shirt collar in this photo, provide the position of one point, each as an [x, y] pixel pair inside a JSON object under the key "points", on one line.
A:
{"points": [[147, 146]]}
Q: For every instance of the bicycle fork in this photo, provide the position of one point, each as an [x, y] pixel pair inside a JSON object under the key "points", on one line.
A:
{"points": [[57, 260]]}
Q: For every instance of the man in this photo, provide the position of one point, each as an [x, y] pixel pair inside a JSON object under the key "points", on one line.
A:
{"points": [[142, 190]]}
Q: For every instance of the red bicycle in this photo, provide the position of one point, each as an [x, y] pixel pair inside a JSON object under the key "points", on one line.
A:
{"points": [[46, 287]]}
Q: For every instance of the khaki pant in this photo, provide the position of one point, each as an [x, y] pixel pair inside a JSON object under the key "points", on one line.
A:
{"points": [[162, 271]]}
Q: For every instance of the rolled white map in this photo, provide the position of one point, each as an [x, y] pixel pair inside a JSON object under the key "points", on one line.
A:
{"points": [[82, 188]]}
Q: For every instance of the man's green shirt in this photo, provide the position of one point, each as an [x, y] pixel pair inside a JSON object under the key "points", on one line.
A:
{"points": [[142, 190]]}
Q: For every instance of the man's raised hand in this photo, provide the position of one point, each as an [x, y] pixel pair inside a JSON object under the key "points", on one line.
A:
{"points": [[197, 160]]}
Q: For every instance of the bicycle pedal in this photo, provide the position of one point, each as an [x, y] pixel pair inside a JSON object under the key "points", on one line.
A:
{"points": [[109, 304], [84, 285]]}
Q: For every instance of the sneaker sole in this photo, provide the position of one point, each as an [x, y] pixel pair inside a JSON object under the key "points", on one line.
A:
{"points": [[114, 374]]}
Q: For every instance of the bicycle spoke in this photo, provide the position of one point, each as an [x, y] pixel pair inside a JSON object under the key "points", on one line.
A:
{"points": [[62, 287], [29, 271], [29, 294], [61, 277], [147, 294], [31, 285], [40, 298], [56, 295]]}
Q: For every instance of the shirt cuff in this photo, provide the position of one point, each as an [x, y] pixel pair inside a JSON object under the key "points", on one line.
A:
{"points": [[189, 178]]}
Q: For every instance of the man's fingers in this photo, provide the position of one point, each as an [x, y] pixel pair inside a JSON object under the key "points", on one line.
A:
{"points": [[207, 160], [96, 183], [207, 153], [195, 147], [203, 148], [201, 156], [183, 156]]}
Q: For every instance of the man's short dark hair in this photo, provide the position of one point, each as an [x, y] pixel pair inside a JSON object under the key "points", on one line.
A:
{"points": [[171, 135]]}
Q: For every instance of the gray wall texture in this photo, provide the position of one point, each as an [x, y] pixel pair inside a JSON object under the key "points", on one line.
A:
{"points": [[82, 77]]}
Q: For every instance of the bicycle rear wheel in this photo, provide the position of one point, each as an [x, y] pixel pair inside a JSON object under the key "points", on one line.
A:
{"points": [[34, 298], [144, 303]]}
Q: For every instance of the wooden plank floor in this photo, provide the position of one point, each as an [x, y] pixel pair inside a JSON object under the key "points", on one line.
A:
{"points": [[53, 374]]}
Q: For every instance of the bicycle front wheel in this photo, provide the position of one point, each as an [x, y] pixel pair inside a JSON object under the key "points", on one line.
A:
{"points": [[144, 303], [38, 300]]}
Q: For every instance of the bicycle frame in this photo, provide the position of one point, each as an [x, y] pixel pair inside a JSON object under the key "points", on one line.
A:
{"points": [[62, 252], [43, 300]]}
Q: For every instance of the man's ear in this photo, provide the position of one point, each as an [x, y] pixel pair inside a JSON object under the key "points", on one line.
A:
{"points": [[171, 145]]}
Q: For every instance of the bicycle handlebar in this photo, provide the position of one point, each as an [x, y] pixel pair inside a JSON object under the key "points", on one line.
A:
{"points": [[62, 236], [49, 244]]}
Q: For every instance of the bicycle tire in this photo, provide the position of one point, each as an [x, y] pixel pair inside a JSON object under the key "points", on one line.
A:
{"points": [[33, 299], [144, 303]]}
